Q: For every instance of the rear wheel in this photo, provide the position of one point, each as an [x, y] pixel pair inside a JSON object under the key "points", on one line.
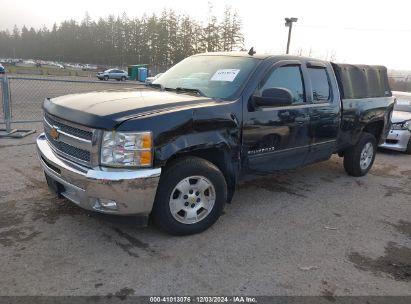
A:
{"points": [[359, 159], [190, 197]]}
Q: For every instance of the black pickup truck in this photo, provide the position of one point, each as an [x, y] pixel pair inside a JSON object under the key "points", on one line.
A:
{"points": [[177, 148]]}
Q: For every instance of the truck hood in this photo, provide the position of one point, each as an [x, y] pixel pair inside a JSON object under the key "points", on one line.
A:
{"points": [[106, 110], [400, 116]]}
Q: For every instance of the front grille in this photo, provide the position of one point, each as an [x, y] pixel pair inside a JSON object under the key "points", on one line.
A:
{"points": [[69, 150], [69, 129], [74, 148]]}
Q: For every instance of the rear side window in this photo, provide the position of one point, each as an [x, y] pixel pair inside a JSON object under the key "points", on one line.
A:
{"points": [[288, 77], [320, 84]]}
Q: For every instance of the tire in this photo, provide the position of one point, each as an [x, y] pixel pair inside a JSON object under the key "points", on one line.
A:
{"points": [[123, 78], [408, 151], [105, 78], [191, 196], [359, 159]]}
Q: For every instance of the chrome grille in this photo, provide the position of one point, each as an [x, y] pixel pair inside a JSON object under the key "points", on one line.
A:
{"points": [[68, 129], [69, 150], [74, 141]]}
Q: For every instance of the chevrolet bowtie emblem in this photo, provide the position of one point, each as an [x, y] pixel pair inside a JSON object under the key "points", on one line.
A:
{"points": [[54, 133]]}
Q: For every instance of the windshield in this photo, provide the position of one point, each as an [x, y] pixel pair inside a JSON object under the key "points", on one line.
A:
{"points": [[211, 76], [403, 104]]}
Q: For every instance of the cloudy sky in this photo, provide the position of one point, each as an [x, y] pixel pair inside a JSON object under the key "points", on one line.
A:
{"points": [[357, 31]]}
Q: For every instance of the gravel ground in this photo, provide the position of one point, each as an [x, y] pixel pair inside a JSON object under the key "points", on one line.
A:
{"points": [[311, 231]]}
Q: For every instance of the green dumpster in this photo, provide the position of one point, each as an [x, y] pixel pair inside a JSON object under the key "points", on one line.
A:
{"points": [[133, 70]]}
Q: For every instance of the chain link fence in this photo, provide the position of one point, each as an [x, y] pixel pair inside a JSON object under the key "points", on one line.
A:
{"points": [[1, 102], [26, 95]]}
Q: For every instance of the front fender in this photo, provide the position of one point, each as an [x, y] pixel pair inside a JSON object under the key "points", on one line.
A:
{"points": [[214, 139], [181, 131]]}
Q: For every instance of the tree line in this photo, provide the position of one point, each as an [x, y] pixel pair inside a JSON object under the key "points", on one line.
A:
{"points": [[160, 41]]}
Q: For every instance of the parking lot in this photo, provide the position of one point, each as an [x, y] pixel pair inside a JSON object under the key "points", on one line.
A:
{"points": [[310, 231]]}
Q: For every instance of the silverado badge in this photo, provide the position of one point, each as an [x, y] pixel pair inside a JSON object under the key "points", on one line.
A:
{"points": [[54, 133]]}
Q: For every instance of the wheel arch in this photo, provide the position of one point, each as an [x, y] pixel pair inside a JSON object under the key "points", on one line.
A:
{"points": [[220, 155], [375, 128]]}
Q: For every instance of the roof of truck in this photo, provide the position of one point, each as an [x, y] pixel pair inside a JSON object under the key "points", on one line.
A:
{"points": [[260, 56], [235, 54]]}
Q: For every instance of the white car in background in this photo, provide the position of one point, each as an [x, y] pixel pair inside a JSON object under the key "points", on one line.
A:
{"points": [[152, 78], [26, 63], [89, 67], [399, 138]]}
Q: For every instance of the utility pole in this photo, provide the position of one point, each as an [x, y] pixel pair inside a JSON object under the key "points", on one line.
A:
{"points": [[289, 23]]}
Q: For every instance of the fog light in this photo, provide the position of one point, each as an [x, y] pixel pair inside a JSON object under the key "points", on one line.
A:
{"points": [[105, 204], [108, 204]]}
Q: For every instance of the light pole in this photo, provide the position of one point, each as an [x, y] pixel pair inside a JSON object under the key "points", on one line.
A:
{"points": [[289, 24]]}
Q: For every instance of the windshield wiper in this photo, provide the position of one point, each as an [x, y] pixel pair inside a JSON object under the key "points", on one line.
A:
{"points": [[190, 90], [187, 90]]}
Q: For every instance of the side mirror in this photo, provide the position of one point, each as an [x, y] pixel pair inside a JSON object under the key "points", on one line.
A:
{"points": [[274, 97]]}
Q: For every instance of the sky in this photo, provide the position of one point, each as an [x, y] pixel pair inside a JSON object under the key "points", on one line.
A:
{"points": [[355, 31]]}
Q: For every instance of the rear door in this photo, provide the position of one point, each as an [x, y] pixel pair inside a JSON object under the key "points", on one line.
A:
{"points": [[324, 112], [277, 138]]}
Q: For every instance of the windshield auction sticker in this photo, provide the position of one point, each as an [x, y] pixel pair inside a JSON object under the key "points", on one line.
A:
{"points": [[225, 75]]}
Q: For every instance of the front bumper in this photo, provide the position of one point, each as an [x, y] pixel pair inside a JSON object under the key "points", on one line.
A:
{"points": [[133, 191], [397, 140]]}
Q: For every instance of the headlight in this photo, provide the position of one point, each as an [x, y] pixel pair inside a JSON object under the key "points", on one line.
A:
{"points": [[401, 125], [396, 126], [126, 149]]}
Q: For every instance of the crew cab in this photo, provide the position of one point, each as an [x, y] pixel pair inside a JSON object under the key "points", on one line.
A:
{"points": [[176, 150]]}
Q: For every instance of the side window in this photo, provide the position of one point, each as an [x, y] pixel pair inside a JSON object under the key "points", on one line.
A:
{"points": [[288, 77], [320, 84]]}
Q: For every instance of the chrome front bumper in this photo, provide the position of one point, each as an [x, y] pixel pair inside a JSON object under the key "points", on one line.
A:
{"points": [[397, 140], [132, 190]]}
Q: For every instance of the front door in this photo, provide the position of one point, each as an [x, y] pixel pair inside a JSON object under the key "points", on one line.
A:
{"points": [[276, 138]]}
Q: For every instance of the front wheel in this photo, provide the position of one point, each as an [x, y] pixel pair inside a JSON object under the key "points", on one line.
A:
{"points": [[190, 197], [105, 78], [123, 78], [359, 159]]}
